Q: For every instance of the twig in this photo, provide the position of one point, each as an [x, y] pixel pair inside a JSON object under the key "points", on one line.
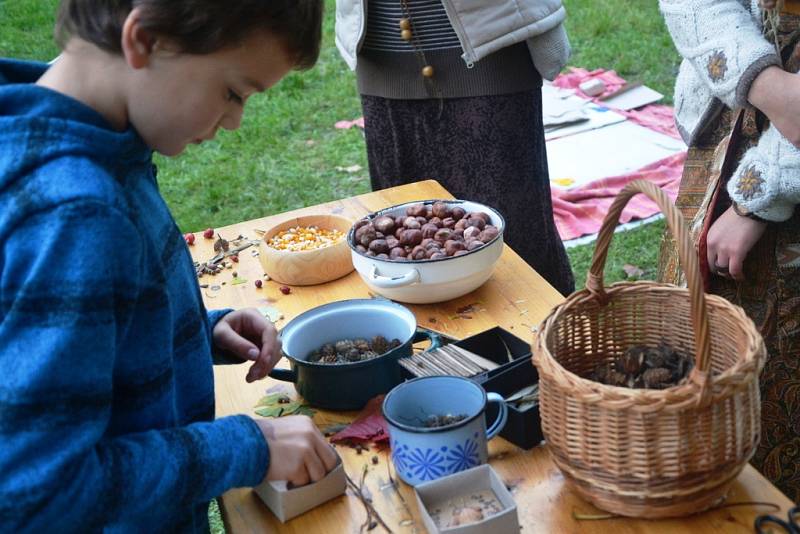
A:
{"points": [[372, 513]]}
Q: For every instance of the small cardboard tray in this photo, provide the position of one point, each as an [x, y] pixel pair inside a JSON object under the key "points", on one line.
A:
{"points": [[286, 502], [431, 495]]}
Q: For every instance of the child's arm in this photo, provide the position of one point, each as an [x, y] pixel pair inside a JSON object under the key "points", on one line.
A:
{"points": [[65, 304]]}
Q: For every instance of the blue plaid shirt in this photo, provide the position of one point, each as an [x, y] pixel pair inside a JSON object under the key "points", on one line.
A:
{"points": [[106, 383]]}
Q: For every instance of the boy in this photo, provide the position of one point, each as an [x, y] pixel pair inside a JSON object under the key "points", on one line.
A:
{"points": [[106, 399]]}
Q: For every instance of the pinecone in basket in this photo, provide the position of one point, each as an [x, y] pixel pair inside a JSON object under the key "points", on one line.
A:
{"points": [[645, 367]]}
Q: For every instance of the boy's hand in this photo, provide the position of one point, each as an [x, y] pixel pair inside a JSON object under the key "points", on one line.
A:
{"points": [[248, 335], [298, 452], [730, 239]]}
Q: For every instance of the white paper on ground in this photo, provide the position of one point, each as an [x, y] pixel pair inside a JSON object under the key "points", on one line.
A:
{"points": [[608, 151], [634, 98]]}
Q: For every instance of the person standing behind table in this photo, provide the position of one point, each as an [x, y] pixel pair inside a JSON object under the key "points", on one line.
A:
{"points": [[452, 91], [753, 243], [106, 349]]}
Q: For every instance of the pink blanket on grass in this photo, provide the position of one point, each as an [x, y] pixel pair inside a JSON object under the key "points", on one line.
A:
{"points": [[580, 211]]}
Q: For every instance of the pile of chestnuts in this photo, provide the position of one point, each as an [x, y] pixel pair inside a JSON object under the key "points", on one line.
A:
{"points": [[424, 232]]}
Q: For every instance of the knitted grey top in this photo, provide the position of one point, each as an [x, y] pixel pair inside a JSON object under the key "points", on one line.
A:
{"points": [[390, 67]]}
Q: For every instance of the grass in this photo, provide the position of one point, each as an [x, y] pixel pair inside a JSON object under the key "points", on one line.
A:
{"points": [[286, 153]]}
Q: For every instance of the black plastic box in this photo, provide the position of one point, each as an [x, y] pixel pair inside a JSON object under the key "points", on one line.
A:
{"points": [[523, 428]]}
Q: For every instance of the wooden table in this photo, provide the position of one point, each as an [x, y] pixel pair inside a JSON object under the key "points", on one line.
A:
{"points": [[516, 298]]}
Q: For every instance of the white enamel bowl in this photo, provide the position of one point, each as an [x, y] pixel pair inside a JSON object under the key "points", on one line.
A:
{"points": [[427, 281]]}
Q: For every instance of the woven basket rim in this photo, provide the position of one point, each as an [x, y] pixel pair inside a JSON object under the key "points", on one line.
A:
{"points": [[747, 363]]}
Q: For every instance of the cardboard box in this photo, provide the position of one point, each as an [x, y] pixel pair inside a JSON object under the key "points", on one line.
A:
{"points": [[287, 503], [431, 495]]}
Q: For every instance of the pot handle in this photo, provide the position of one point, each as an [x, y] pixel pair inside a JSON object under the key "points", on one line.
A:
{"points": [[386, 282], [433, 337], [284, 375], [502, 414]]}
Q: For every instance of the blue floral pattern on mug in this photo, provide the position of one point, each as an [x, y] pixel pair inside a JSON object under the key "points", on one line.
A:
{"points": [[400, 455], [427, 464], [463, 456]]}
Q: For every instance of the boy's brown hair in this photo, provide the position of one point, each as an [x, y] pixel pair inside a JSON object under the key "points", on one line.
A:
{"points": [[197, 26]]}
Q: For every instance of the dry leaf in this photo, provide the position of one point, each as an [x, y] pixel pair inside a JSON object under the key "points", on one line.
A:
{"points": [[633, 272]]}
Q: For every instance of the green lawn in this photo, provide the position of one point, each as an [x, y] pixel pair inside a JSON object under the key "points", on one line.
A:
{"points": [[287, 152]]}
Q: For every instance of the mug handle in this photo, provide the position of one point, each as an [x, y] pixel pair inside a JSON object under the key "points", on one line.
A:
{"points": [[502, 414], [433, 337]]}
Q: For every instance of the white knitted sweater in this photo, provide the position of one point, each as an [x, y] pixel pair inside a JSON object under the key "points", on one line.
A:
{"points": [[724, 50]]}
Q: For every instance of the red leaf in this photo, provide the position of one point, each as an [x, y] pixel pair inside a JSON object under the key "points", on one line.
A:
{"points": [[368, 426]]}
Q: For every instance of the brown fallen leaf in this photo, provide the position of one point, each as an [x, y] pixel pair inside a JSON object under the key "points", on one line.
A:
{"points": [[632, 271]]}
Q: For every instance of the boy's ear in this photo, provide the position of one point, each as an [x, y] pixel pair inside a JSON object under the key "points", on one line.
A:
{"points": [[137, 43]]}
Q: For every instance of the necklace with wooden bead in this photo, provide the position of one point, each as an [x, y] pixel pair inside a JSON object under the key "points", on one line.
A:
{"points": [[408, 34]]}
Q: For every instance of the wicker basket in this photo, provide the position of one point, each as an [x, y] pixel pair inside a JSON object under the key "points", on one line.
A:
{"points": [[649, 453]]}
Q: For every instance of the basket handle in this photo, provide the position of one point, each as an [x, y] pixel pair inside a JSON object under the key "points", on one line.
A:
{"points": [[689, 262]]}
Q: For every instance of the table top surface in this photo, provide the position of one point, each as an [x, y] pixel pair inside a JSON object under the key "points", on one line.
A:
{"points": [[515, 298]]}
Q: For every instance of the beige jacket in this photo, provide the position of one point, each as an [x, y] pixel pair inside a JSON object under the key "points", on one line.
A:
{"points": [[482, 26]]}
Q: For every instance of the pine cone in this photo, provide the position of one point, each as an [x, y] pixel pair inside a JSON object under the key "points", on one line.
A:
{"points": [[343, 346], [380, 344], [659, 378], [352, 355], [327, 350], [632, 361], [361, 344]]}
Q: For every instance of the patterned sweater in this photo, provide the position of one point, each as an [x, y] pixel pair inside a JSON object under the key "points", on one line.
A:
{"points": [[106, 384], [724, 51]]}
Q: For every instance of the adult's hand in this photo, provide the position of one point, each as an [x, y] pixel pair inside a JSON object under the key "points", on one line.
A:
{"points": [[730, 239], [777, 94], [249, 336], [298, 451]]}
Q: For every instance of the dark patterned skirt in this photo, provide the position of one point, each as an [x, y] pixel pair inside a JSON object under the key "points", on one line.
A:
{"points": [[770, 295], [488, 149]]}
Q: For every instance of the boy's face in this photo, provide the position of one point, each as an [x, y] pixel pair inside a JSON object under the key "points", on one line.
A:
{"points": [[177, 99]]}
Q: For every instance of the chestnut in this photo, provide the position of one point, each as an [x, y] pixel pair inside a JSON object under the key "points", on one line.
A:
{"points": [[427, 240], [379, 246], [369, 253], [458, 213], [384, 224], [451, 246], [398, 221], [433, 244], [429, 230], [412, 223], [421, 220], [418, 253], [472, 231], [416, 210], [359, 223], [437, 256], [489, 233], [431, 251], [379, 235], [460, 252], [441, 210], [460, 224], [392, 242], [443, 234], [397, 252], [399, 231], [365, 234], [436, 220], [476, 222], [361, 248], [382, 256], [475, 243], [449, 223], [411, 237]]}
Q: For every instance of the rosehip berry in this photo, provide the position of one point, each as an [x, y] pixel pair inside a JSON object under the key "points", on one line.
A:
{"points": [[209, 233], [235, 258], [286, 290], [259, 283], [189, 238]]}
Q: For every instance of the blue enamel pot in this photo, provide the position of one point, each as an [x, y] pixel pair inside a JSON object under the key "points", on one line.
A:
{"points": [[421, 453], [348, 386]]}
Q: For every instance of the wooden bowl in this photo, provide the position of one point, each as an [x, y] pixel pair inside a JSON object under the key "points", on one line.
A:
{"points": [[308, 267]]}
